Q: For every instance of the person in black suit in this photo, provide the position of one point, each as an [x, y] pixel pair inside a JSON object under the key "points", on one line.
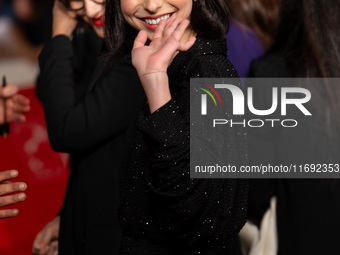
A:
{"points": [[90, 109]]}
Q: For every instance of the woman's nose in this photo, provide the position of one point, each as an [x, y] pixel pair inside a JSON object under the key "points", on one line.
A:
{"points": [[153, 5], [92, 9]]}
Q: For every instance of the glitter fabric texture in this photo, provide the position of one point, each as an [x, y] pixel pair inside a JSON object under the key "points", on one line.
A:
{"points": [[163, 210]]}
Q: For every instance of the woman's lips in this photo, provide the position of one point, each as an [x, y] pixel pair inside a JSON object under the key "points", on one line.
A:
{"points": [[98, 21], [151, 22]]}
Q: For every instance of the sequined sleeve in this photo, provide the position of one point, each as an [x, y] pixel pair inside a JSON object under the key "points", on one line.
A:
{"points": [[192, 209]]}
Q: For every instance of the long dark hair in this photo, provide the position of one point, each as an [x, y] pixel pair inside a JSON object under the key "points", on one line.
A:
{"points": [[260, 15], [309, 40], [308, 37], [208, 18]]}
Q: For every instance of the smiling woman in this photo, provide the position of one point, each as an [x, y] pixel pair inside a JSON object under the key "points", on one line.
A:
{"points": [[209, 18], [90, 11], [163, 210], [145, 15]]}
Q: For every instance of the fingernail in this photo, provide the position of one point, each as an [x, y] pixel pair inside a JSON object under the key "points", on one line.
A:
{"points": [[15, 212], [23, 186], [22, 196], [14, 173]]}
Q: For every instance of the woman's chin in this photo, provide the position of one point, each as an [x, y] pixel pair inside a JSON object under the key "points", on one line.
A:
{"points": [[99, 31]]}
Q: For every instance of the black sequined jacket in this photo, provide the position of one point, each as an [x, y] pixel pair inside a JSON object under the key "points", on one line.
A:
{"points": [[162, 210]]}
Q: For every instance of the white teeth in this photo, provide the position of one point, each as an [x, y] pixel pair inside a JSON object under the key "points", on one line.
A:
{"points": [[156, 21]]}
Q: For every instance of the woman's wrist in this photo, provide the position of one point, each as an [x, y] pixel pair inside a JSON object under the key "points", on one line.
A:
{"points": [[151, 73], [156, 87]]}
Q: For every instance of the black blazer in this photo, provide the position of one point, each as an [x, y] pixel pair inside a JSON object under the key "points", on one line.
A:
{"points": [[90, 114]]}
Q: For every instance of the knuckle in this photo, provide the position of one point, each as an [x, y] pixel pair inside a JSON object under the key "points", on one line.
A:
{"points": [[2, 202], [2, 189], [8, 200], [9, 186], [8, 213], [7, 189], [2, 214], [14, 187], [3, 176]]}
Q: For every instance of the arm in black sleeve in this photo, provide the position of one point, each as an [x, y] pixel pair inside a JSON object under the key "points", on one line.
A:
{"points": [[78, 125], [197, 208]]}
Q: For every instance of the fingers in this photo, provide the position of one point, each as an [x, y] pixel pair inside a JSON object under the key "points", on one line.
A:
{"points": [[12, 199], [8, 213], [16, 106], [140, 40], [8, 200], [20, 100], [8, 91], [60, 7], [64, 20], [8, 175], [159, 30], [180, 29], [36, 244], [46, 241], [175, 30], [173, 33], [54, 248], [187, 45], [5, 182], [8, 188], [13, 116], [171, 27], [162, 24], [40, 245]]}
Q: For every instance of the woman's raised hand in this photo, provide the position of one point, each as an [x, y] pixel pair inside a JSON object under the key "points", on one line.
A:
{"points": [[64, 20], [152, 61], [166, 41]]}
